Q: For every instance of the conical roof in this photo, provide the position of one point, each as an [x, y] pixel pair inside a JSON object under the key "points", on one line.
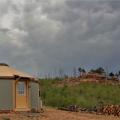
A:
{"points": [[8, 72]]}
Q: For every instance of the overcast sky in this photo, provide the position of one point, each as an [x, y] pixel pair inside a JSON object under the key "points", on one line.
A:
{"points": [[41, 36]]}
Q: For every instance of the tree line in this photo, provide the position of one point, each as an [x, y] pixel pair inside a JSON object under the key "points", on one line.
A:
{"points": [[77, 72]]}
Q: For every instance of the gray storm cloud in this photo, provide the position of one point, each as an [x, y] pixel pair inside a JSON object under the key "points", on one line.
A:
{"points": [[40, 36]]}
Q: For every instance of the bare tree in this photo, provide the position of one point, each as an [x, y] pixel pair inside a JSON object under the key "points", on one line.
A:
{"points": [[61, 73], [74, 72]]}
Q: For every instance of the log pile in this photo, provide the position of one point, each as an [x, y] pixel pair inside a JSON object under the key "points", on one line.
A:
{"points": [[105, 110], [110, 110]]}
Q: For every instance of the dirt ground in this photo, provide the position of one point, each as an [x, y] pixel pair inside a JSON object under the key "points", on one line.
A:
{"points": [[53, 114]]}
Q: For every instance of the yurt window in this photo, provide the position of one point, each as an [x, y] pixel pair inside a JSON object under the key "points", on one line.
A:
{"points": [[21, 88]]}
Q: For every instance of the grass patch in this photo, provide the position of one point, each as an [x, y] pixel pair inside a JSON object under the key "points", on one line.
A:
{"points": [[85, 95]]}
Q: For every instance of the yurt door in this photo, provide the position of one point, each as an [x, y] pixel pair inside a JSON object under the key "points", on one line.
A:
{"points": [[21, 94]]}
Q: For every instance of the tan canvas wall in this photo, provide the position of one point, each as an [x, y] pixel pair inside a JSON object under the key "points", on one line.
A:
{"points": [[6, 94]]}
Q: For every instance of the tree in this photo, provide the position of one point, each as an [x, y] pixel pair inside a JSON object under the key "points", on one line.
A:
{"points": [[111, 74], [99, 70], [81, 70], [119, 73]]}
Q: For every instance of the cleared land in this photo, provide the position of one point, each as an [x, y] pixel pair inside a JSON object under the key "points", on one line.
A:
{"points": [[53, 114]]}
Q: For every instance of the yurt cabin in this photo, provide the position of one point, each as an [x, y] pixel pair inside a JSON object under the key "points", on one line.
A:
{"points": [[18, 90]]}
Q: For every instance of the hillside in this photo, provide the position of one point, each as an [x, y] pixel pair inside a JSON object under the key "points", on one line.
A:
{"points": [[58, 93]]}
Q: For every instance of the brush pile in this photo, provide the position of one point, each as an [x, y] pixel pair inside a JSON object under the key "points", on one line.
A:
{"points": [[72, 108]]}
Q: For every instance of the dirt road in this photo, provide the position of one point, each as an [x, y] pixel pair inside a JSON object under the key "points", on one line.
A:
{"points": [[52, 114]]}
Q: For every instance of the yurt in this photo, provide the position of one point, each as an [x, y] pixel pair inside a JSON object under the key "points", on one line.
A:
{"points": [[18, 90]]}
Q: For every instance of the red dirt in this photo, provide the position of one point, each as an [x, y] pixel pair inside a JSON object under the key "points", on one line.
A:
{"points": [[53, 114]]}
